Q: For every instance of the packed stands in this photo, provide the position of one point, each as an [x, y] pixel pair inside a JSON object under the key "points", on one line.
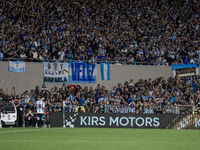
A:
{"points": [[159, 96], [148, 32]]}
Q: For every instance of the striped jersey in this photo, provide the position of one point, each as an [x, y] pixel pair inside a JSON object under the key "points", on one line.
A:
{"points": [[40, 107], [48, 71]]}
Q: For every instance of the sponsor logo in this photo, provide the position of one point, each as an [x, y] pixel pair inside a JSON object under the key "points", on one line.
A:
{"points": [[71, 120], [8, 116], [111, 121], [92, 120], [197, 122]]}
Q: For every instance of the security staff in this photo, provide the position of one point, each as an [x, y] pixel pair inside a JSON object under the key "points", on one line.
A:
{"points": [[20, 112], [80, 109]]}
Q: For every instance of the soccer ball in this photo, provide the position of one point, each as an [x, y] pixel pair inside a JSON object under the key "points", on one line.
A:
{"points": [[71, 126], [64, 126]]}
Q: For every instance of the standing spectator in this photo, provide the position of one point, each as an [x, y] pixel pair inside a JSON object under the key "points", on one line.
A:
{"points": [[20, 111], [28, 117]]}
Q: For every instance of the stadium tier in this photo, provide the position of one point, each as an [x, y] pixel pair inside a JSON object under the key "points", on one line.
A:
{"points": [[95, 56], [145, 32]]}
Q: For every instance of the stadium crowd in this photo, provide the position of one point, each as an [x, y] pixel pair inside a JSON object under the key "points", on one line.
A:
{"points": [[164, 32], [159, 96]]}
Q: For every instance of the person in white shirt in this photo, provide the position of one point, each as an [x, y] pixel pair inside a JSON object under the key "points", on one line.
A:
{"points": [[23, 55], [101, 98], [124, 50], [40, 111], [61, 55], [163, 60], [34, 42], [35, 54], [130, 59], [26, 99], [192, 60]]}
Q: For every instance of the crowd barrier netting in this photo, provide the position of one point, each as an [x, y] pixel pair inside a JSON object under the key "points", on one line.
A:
{"points": [[121, 108]]}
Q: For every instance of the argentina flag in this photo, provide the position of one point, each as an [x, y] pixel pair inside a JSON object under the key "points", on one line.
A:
{"points": [[17, 66], [105, 71]]}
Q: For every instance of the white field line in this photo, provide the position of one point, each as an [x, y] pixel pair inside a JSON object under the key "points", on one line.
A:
{"points": [[96, 141], [29, 130]]}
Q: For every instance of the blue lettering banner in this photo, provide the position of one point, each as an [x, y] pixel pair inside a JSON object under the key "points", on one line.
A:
{"points": [[81, 72], [55, 73], [184, 70]]}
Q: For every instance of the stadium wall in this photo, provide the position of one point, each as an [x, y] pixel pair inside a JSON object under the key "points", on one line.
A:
{"points": [[33, 77]]}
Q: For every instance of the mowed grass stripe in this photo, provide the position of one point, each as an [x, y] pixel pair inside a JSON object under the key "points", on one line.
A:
{"points": [[95, 141], [99, 138], [25, 130]]}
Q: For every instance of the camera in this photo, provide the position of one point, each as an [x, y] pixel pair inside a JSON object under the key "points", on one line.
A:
{"points": [[198, 105], [79, 109]]}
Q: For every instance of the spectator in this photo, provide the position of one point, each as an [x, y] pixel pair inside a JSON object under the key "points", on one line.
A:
{"points": [[121, 32], [160, 96], [20, 111], [28, 117], [64, 30]]}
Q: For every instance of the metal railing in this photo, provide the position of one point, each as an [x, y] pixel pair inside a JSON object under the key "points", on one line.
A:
{"points": [[121, 108], [98, 62]]}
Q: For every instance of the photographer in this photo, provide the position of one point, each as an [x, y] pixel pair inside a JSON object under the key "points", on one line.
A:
{"points": [[80, 109], [47, 112], [28, 116], [197, 110], [96, 109]]}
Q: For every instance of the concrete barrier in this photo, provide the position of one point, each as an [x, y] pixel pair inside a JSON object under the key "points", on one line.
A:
{"points": [[32, 79]]}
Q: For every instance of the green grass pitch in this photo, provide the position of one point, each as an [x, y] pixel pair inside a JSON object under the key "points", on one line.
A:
{"points": [[98, 139]]}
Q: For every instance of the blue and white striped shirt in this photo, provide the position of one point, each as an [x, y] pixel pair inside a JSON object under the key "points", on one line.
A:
{"points": [[40, 107]]}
